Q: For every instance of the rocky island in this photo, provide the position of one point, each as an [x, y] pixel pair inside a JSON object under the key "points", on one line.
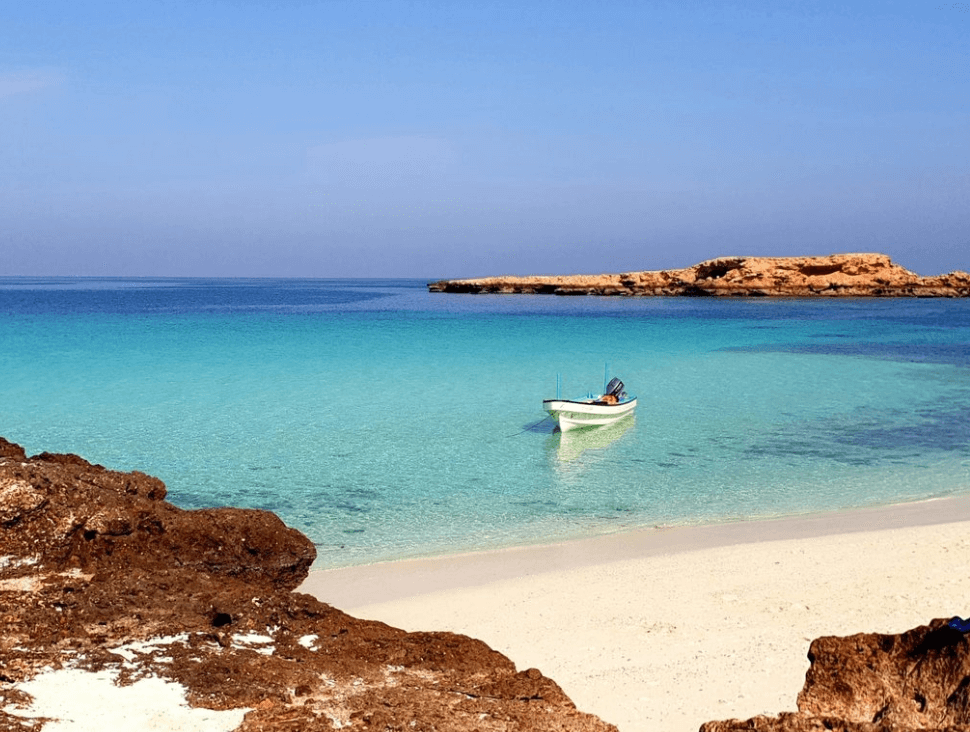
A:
{"points": [[118, 610], [837, 275]]}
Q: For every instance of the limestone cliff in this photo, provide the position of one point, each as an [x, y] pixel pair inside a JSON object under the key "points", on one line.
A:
{"points": [[837, 275]]}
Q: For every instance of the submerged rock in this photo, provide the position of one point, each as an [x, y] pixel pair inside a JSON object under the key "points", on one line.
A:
{"points": [[917, 680], [99, 574], [837, 275]]}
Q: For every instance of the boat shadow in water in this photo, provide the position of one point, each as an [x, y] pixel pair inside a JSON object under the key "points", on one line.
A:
{"points": [[573, 443]]}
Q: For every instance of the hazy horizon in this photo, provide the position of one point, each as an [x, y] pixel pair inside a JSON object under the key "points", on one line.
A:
{"points": [[239, 138]]}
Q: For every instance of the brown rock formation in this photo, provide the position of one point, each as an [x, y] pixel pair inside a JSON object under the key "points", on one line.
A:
{"points": [[99, 573], [918, 680], [838, 275]]}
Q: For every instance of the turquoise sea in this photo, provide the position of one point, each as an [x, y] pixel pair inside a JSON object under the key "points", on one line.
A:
{"points": [[387, 422]]}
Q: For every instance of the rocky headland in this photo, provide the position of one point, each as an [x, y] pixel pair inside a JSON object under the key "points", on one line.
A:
{"points": [[189, 620], [837, 275], [120, 610]]}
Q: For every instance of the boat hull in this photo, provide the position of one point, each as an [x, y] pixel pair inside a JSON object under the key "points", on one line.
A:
{"points": [[577, 414]]}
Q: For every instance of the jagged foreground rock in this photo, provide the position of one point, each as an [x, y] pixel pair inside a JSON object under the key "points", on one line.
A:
{"points": [[918, 680], [99, 575], [838, 275]]}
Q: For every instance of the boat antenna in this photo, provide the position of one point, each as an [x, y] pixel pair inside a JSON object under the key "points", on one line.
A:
{"points": [[606, 375], [558, 386]]}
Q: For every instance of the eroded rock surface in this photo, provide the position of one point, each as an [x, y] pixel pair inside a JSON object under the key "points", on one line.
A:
{"points": [[917, 680], [99, 573], [838, 275]]}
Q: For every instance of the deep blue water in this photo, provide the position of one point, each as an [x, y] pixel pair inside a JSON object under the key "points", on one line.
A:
{"points": [[384, 421]]}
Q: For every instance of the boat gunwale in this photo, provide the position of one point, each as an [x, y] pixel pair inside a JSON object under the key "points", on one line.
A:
{"points": [[590, 402]]}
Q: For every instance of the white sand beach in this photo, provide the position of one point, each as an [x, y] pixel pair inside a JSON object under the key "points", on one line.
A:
{"points": [[664, 629]]}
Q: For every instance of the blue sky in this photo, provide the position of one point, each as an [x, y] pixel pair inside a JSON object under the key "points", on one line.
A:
{"points": [[446, 139]]}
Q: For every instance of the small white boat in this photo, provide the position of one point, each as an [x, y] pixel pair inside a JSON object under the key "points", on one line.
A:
{"points": [[594, 411]]}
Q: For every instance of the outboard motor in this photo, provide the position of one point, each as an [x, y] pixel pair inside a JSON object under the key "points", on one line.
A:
{"points": [[615, 387]]}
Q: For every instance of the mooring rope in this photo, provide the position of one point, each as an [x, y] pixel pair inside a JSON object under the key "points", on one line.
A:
{"points": [[529, 427]]}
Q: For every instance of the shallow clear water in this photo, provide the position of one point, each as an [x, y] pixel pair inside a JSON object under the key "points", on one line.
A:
{"points": [[386, 422]]}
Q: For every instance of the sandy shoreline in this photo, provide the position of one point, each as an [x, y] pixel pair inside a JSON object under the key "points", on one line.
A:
{"points": [[665, 629]]}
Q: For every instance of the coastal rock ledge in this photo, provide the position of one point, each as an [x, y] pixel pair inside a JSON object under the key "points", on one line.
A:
{"points": [[836, 275], [119, 610], [870, 682]]}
